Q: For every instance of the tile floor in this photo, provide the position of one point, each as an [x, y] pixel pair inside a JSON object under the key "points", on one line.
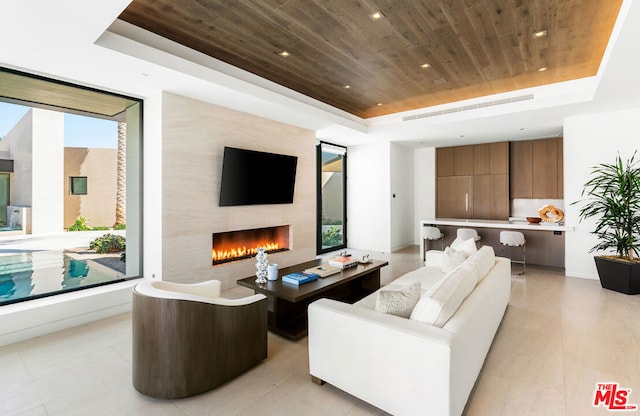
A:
{"points": [[560, 336]]}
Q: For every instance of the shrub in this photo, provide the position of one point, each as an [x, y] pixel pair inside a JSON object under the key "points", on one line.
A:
{"points": [[120, 226], [108, 243], [80, 225], [99, 228], [332, 237]]}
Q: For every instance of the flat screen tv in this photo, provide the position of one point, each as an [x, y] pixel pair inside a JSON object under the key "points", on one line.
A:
{"points": [[256, 178]]}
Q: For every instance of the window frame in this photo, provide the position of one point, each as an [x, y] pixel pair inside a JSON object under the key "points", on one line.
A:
{"points": [[319, 248], [71, 185]]}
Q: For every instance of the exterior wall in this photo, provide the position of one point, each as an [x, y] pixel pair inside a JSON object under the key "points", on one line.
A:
{"points": [[38, 135], [194, 134], [99, 166]]}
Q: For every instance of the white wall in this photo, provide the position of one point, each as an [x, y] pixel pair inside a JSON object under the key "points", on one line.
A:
{"points": [[368, 197], [589, 141], [402, 197], [424, 187]]}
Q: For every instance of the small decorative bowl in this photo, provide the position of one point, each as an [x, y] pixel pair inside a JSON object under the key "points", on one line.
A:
{"points": [[534, 220]]}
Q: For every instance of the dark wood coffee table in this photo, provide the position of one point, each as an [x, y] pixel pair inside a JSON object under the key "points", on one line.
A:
{"points": [[288, 303]]}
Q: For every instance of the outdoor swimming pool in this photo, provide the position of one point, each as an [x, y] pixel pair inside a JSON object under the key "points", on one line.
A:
{"points": [[42, 273]]}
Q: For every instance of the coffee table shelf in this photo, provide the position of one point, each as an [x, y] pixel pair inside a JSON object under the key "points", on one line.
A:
{"points": [[288, 303]]}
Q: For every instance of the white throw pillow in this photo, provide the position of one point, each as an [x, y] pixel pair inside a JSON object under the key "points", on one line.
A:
{"points": [[399, 302], [468, 246], [452, 258], [484, 260], [440, 303]]}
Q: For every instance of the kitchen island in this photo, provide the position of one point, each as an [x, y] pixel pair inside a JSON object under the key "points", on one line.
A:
{"points": [[545, 241]]}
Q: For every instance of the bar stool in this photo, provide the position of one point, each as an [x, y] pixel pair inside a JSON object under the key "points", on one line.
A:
{"points": [[431, 234], [467, 233], [513, 239]]}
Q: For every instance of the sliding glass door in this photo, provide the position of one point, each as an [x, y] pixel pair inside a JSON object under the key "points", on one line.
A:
{"points": [[332, 205]]}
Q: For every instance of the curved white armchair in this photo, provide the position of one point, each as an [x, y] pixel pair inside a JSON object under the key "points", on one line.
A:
{"points": [[187, 339]]}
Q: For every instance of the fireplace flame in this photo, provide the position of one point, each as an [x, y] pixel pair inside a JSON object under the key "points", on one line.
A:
{"points": [[240, 252]]}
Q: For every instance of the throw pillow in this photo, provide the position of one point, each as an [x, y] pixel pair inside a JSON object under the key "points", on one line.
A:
{"points": [[399, 302], [452, 258], [468, 246], [440, 303], [484, 260]]}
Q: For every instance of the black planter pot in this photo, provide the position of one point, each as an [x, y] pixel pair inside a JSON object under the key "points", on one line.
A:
{"points": [[618, 275]]}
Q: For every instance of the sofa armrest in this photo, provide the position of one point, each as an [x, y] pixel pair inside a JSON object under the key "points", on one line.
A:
{"points": [[399, 365]]}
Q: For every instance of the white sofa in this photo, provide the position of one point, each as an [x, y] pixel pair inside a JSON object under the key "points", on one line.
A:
{"points": [[405, 366]]}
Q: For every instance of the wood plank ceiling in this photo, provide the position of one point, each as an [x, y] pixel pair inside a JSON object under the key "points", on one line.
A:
{"points": [[473, 47]]}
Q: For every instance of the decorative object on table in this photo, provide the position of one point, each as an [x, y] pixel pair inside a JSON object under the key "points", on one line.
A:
{"points": [[365, 259], [324, 270], [261, 265], [534, 220], [299, 278], [272, 271], [344, 261], [612, 198], [550, 213]]}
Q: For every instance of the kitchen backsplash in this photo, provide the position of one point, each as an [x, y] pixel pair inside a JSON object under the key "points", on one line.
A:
{"points": [[521, 208]]}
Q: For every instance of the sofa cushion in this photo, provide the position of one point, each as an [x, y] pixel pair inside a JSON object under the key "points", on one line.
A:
{"points": [[452, 258], [483, 259], [399, 302], [468, 246], [440, 303]]}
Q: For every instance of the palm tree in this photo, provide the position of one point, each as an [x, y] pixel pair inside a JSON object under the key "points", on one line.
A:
{"points": [[121, 185]]}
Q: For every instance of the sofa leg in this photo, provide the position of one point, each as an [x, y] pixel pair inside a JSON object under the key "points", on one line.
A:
{"points": [[317, 380]]}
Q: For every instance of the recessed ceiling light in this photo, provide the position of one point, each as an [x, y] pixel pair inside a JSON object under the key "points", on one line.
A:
{"points": [[377, 15], [425, 65], [379, 104], [284, 54], [542, 69], [347, 86], [540, 34]]}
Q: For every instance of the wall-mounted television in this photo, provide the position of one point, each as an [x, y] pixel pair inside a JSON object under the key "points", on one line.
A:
{"points": [[250, 177]]}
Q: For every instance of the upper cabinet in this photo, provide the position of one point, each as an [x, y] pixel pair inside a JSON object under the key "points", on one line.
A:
{"points": [[536, 169], [454, 161], [491, 159]]}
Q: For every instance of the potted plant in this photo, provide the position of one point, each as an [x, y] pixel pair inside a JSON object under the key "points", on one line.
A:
{"points": [[612, 198]]}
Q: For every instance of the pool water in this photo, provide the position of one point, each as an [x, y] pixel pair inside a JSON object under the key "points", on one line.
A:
{"points": [[31, 275]]}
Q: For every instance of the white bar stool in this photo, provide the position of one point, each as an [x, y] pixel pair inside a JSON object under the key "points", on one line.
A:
{"points": [[467, 233], [431, 234], [513, 239]]}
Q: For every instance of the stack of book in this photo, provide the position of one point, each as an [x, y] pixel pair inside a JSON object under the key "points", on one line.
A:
{"points": [[299, 278], [324, 270], [343, 262]]}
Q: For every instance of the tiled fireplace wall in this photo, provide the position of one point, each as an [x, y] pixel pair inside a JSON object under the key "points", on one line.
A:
{"points": [[194, 134]]}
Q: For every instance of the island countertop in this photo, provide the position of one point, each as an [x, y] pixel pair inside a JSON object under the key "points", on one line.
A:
{"points": [[513, 224]]}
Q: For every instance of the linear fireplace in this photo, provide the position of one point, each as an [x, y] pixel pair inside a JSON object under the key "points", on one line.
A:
{"points": [[230, 246]]}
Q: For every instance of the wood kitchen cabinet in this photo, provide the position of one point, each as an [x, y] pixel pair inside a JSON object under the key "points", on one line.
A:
{"points": [[491, 159], [454, 161], [453, 197], [472, 181], [491, 197], [536, 169]]}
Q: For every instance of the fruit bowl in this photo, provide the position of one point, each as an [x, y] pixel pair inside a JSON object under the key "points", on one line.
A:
{"points": [[534, 220]]}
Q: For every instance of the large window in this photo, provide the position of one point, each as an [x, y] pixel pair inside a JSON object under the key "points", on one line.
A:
{"points": [[53, 136], [332, 205]]}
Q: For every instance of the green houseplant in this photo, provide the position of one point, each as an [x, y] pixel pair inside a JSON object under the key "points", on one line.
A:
{"points": [[612, 197]]}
